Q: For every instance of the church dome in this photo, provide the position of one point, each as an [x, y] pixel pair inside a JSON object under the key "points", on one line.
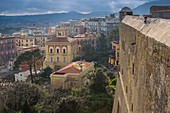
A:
{"points": [[125, 9]]}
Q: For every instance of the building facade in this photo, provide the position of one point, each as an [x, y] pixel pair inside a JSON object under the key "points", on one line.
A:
{"points": [[26, 41], [160, 12], [144, 77], [51, 31], [114, 57], [61, 50], [72, 76], [8, 49]]}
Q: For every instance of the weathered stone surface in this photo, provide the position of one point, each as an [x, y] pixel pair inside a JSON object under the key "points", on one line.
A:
{"points": [[144, 66]]}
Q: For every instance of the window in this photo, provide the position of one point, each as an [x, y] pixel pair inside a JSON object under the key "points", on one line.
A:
{"points": [[79, 48], [51, 59], [132, 107], [71, 84], [51, 50], [26, 40], [64, 59], [60, 33], [133, 68], [64, 50], [58, 49], [26, 44], [118, 108], [123, 45], [58, 59], [126, 89], [122, 71]]}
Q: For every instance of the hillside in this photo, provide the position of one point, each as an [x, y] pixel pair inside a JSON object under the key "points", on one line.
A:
{"points": [[48, 18], [145, 8]]}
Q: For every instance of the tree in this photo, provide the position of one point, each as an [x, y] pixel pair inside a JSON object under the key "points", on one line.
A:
{"points": [[21, 98], [113, 33], [31, 58], [69, 104], [36, 56], [99, 82]]}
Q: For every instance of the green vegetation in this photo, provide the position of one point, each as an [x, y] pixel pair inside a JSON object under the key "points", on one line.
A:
{"points": [[96, 97], [30, 98], [99, 54]]}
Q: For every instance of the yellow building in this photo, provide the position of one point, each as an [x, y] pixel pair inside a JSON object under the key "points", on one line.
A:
{"points": [[25, 41], [114, 58], [72, 75], [60, 51]]}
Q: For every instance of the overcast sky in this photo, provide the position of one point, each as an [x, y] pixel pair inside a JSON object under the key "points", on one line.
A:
{"points": [[12, 7]]}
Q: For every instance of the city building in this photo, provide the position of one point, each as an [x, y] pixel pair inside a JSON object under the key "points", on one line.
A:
{"points": [[160, 12], [143, 82], [27, 41], [41, 39], [8, 49], [72, 27], [114, 57], [61, 50], [79, 29], [72, 75], [51, 31], [22, 49], [101, 25], [82, 40], [22, 76]]}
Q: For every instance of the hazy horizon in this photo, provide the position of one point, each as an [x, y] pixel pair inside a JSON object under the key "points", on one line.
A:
{"points": [[33, 7]]}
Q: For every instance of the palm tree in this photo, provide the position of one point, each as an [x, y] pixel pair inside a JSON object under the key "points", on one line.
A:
{"points": [[36, 56], [31, 58]]}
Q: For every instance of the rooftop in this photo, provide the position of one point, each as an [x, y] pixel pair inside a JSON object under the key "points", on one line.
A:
{"points": [[125, 9], [73, 67], [68, 39], [155, 28]]}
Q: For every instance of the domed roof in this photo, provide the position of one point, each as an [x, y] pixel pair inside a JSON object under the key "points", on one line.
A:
{"points": [[126, 9]]}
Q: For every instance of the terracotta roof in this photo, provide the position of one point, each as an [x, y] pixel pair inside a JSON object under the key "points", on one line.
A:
{"points": [[68, 39], [71, 69]]}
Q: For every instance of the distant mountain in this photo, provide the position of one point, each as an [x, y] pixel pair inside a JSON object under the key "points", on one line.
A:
{"points": [[48, 18], [145, 8]]}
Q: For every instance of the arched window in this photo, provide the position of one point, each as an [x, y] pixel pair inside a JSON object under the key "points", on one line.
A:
{"points": [[64, 50], [51, 49], [57, 49]]}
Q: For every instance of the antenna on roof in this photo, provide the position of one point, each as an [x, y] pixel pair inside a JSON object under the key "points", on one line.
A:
{"points": [[145, 19]]}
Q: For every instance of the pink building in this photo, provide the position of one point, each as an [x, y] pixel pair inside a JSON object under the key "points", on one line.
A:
{"points": [[8, 49]]}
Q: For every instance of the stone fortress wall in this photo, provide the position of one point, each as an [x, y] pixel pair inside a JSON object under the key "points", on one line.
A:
{"points": [[143, 84]]}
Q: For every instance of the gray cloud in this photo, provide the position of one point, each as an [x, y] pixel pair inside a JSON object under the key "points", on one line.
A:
{"points": [[47, 6]]}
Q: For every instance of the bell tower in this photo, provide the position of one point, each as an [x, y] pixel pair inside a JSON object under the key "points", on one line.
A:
{"points": [[61, 33]]}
